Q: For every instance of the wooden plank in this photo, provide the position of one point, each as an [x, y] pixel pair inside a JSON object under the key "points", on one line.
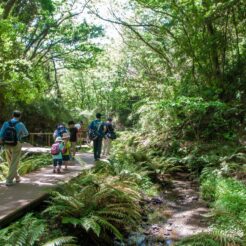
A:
{"points": [[16, 200]]}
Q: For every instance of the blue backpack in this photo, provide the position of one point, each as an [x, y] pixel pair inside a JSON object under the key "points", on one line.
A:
{"points": [[61, 130], [94, 132]]}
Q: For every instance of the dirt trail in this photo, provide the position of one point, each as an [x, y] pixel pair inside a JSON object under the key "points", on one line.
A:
{"points": [[177, 213]]}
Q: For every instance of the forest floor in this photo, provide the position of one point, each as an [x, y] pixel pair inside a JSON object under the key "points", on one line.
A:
{"points": [[177, 212]]}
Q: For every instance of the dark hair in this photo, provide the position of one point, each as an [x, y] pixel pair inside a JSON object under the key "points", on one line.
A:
{"points": [[98, 116], [17, 114], [71, 122], [110, 119]]}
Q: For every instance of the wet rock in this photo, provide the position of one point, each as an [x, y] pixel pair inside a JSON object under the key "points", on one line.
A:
{"points": [[137, 239], [195, 198], [157, 200], [144, 218], [155, 228], [146, 233]]}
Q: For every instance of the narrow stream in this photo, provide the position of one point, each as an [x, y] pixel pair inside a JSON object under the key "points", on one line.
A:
{"points": [[177, 213]]}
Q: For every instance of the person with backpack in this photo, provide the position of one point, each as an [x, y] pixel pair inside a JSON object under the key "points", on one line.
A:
{"points": [[73, 137], [109, 136], [56, 152], [96, 134], [60, 130], [11, 136]]}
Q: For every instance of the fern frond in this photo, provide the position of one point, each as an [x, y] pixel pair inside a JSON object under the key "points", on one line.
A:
{"points": [[60, 241]]}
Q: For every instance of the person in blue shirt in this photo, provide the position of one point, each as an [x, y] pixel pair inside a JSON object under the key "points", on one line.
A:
{"points": [[13, 152], [97, 126]]}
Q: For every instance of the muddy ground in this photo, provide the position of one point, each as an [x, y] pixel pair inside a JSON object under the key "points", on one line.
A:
{"points": [[177, 212]]}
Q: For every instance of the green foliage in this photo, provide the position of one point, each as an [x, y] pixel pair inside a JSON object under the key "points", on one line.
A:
{"points": [[210, 239], [31, 231], [69, 241], [195, 118], [228, 201], [38, 39], [34, 162], [24, 232], [98, 204]]}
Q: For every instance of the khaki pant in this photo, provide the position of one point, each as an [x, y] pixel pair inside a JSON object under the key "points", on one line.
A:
{"points": [[73, 148], [13, 154], [106, 146]]}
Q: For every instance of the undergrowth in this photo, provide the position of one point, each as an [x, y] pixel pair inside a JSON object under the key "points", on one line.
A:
{"points": [[221, 167]]}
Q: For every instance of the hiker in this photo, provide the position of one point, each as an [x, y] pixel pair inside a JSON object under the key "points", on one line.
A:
{"points": [[56, 151], [96, 133], [11, 135], [60, 129], [80, 128], [108, 137], [73, 137], [79, 125], [66, 152]]}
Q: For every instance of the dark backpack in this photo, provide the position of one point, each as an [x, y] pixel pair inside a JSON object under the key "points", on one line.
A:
{"points": [[10, 134], [61, 130], [111, 135], [94, 132]]}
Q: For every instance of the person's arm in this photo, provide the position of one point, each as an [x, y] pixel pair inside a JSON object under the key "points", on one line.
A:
{"points": [[23, 131], [55, 134], [2, 131]]}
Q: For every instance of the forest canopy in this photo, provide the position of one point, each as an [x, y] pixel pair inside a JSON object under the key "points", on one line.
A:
{"points": [[181, 61]]}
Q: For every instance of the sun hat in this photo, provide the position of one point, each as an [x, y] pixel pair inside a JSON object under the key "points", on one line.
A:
{"points": [[65, 136], [58, 139]]}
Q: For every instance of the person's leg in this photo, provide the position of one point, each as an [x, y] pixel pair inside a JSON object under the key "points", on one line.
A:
{"points": [[59, 165], [14, 162], [73, 149], [104, 146], [99, 148], [95, 148], [108, 146], [54, 165]]}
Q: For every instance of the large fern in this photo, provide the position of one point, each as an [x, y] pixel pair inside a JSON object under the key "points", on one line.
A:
{"points": [[23, 233], [99, 204], [68, 241]]}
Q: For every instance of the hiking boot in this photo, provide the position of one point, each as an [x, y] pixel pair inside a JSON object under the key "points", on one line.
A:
{"points": [[54, 171], [9, 183], [59, 170]]}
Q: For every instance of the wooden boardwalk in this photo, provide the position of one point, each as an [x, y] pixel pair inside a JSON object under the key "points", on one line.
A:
{"points": [[34, 187]]}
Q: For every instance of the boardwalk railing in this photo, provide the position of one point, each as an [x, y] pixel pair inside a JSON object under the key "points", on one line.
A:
{"points": [[46, 139]]}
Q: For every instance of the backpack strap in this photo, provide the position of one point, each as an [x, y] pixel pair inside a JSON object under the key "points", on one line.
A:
{"points": [[12, 124]]}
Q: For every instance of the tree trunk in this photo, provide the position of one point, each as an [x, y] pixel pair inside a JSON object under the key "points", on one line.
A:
{"points": [[7, 8]]}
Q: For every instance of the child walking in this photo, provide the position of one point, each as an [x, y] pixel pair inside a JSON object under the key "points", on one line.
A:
{"points": [[66, 153], [56, 151]]}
